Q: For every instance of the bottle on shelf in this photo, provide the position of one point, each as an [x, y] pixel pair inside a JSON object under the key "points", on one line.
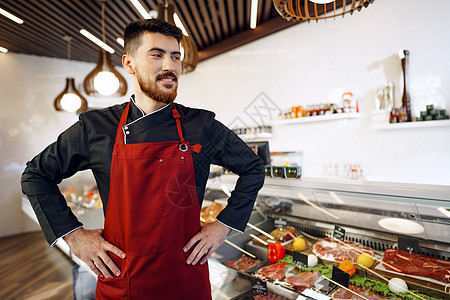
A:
{"points": [[406, 100]]}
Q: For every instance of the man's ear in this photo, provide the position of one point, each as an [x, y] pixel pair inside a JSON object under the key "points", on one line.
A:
{"points": [[127, 63]]}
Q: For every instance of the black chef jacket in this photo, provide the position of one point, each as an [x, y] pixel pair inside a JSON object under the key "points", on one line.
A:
{"points": [[88, 144]]}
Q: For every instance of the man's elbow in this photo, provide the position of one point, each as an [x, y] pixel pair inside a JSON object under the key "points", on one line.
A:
{"points": [[260, 173]]}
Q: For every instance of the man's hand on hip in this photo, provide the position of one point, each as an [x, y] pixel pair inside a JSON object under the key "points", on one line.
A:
{"points": [[210, 237], [91, 247]]}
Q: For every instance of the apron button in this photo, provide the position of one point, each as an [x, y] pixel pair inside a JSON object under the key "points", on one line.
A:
{"points": [[160, 160], [182, 157]]}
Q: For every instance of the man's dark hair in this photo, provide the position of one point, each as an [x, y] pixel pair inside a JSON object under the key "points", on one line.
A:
{"points": [[134, 30]]}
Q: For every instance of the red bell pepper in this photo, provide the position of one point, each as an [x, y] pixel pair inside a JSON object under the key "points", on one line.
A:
{"points": [[275, 252]]}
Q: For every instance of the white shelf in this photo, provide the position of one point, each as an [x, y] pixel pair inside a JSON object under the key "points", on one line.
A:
{"points": [[410, 125], [255, 136], [322, 118]]}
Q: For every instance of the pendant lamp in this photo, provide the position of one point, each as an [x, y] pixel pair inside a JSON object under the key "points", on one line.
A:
{"points": [[70, 99], [188, 49], [307, 10], [105, 80]]}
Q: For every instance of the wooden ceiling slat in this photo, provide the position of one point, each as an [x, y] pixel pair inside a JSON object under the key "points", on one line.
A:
{"points": [[152, 5], [207, 20], [215, 19], [259, 18], [268, 5], [56, 26], [20, 38], [199, 21], [214, 25], [128, 9], [93, 14], [51, 41], [187, 19], [91, 23], [113, 25], [77, 19], [31, 23], [231, 17], [91, 52], [121, 18], [223, 18], [143, 3], [55, 20], [240, 13], [267, 28]]}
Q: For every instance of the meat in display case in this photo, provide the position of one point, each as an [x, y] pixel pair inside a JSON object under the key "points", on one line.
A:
{"points": [[393, 241]]}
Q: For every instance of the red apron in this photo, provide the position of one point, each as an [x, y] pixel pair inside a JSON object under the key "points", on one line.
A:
{"points": [[153, 211]]}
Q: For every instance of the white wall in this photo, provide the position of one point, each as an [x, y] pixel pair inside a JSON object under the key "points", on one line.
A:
{"points": [[28, 122], [308, 63]]}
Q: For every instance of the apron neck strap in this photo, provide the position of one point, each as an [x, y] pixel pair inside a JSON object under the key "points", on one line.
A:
{"points": [[176, 115], [123, 121]]}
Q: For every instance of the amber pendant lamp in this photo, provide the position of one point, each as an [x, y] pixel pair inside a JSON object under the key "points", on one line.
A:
{"points": [[70, 99], [105, 80], [189, 51], [307, 10]]}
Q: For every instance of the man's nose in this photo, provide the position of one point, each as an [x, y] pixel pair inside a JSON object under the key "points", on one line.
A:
{"points": [[168, 64]]}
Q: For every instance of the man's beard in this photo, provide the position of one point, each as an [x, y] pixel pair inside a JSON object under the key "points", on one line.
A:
{"points": [[153, 92]]}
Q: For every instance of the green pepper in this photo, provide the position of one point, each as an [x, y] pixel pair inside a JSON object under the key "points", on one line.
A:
{"points": [[275, 252]]}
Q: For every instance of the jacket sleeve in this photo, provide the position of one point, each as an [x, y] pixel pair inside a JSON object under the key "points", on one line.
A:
{"points": [[40, 179], [234, 154]]}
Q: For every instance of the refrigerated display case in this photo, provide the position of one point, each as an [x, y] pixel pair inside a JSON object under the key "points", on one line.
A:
{"points": [[414, 220]]}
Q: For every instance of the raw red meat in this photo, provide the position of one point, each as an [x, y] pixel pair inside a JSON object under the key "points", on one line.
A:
{"points": [[270, 296], [284, 234], [302, 281], [242, 264], [416, 264], [343, 294], [338, 251], [273, 271]]}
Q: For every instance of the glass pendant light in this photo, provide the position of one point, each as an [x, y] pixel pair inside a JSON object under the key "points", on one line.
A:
{"points": [[70, 99], [188, 49], [105, 80]]}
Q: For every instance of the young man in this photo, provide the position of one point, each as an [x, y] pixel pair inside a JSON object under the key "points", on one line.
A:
{"points": [[150, 158]]}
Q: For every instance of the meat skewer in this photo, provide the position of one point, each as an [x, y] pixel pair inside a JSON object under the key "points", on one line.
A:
{"points": [[239, 248], [260, 230], [258, 239]]}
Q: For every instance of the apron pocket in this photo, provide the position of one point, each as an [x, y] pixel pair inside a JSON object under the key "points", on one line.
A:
{"points": [[112, 288], [179, 191]]}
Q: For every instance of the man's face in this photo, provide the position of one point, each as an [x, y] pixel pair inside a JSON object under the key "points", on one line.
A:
{"points": [[157, 66]]}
